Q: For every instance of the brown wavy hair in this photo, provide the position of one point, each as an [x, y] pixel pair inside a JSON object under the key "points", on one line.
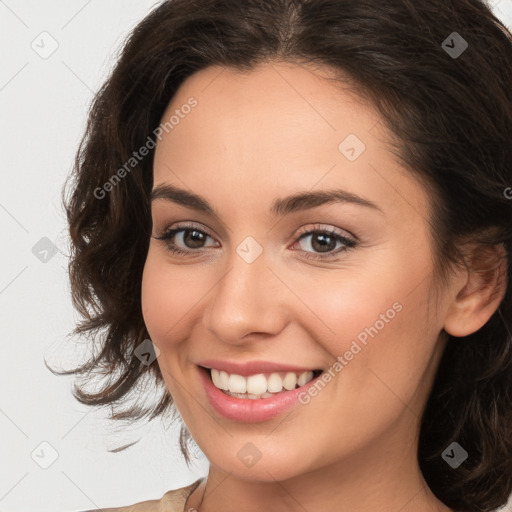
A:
{"points": [[452, 119]]}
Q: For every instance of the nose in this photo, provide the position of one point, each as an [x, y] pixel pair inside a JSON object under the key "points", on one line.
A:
{"points": [[247, 303]]}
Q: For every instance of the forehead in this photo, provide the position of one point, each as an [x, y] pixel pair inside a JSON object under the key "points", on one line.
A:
{"points": [[279, 103], [279, 125]]}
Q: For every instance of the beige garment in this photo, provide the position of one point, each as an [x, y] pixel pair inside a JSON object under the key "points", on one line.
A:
{"points": [[171, 501]]}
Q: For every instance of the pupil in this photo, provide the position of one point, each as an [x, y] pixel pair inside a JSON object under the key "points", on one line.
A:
{"points": [[196, 239], [324, 245]]}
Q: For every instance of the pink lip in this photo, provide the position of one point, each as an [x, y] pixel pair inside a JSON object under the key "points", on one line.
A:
{"points": [[246, 410], [251, 367]]}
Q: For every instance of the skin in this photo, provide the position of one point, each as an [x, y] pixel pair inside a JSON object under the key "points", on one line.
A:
{"points": [[251, 139]]}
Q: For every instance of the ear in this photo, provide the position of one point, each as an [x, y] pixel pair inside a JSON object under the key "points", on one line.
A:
{"points": [[482, 291]]}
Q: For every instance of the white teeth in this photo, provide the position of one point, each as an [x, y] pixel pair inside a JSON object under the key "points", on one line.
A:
{"points": [[290, 381], [238, 384], [215, 378], [220, 379], [224, 380], [258, 386], [275, 383], [304, 378]]}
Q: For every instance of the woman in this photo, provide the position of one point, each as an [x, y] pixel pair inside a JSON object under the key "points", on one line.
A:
{"points": [[295, 216]]}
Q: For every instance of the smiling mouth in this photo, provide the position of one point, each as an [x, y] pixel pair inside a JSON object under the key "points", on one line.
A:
{"points": [[261, 385]]}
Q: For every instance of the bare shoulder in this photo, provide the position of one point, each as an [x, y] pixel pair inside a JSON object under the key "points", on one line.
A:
{"points": [[171, 501]]}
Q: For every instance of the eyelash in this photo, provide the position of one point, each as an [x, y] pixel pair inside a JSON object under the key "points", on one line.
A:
{"points": [[349, 243]]}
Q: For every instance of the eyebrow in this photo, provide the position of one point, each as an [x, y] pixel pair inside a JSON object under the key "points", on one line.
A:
{"points": [[280, 207]]}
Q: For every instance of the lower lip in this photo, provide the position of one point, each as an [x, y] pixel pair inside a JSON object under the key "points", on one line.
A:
{"points": [[246, 410]]}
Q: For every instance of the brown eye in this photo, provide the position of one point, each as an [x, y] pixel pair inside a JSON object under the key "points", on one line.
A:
{"points": [[183, 240], [323, 242], [193, 239]]}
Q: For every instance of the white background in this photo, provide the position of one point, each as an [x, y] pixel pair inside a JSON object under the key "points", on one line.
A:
{"points": [[43, 106]]}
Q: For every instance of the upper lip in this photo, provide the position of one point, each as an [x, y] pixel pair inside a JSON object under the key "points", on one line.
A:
{"points": [[252, 367]]}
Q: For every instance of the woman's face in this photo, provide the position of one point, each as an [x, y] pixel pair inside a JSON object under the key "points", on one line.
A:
{"points": [[264, 278]]}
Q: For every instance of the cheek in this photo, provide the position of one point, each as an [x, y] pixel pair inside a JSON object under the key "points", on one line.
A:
{"points": [[377, 322], [366, 327], [345, 308], [167, 295]]}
